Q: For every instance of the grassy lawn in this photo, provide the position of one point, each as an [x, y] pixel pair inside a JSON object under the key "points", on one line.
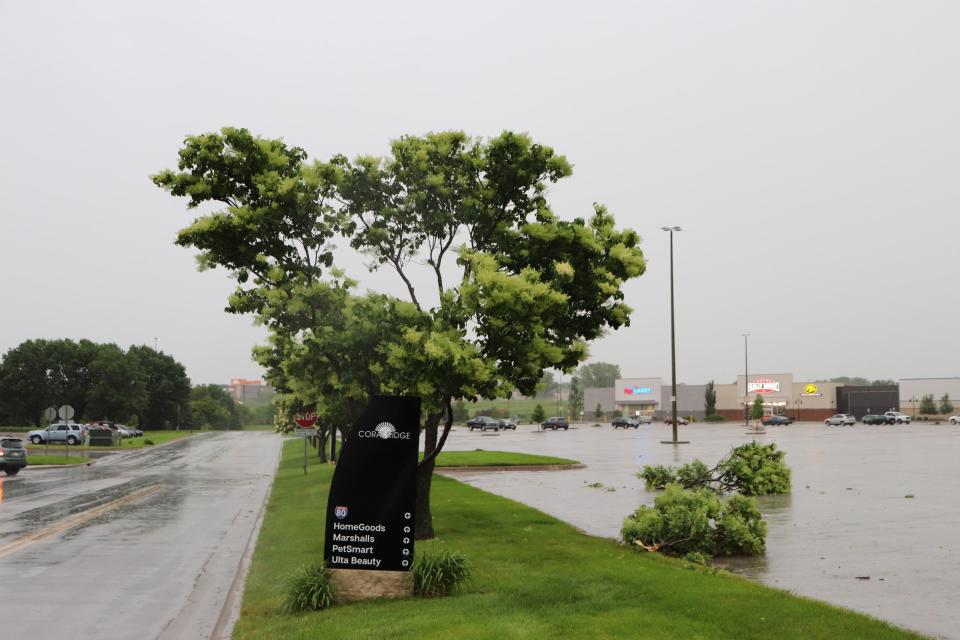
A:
{"points": [[522, 406], [481, 458], [157, 437], [534, 577], [35, 459]]}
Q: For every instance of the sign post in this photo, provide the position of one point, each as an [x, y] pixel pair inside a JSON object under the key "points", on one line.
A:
{"points": [[305, 421], [371, 508], [66, 413]]}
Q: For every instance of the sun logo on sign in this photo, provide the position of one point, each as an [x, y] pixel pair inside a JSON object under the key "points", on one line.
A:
{"points": [[385, 430]]}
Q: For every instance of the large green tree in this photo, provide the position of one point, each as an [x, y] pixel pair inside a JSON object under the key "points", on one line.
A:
{"points": [[598, 375], [212, 407], [514, 289], [710, 399], [25, 385], [166, 384], [119, 391], [575, 399]]}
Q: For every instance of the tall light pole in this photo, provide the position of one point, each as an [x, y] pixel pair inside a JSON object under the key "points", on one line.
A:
{"points": [[673, 347], [746, 383]]}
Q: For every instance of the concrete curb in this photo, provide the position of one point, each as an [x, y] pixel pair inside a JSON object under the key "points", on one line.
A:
{"points": [[518, 467]]}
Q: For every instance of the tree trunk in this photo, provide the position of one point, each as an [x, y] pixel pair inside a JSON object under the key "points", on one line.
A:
{"points": [[424, 518], [321, 441]]}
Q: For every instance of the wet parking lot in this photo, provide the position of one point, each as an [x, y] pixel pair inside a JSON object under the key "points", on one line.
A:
{"points": [[871, 524]]}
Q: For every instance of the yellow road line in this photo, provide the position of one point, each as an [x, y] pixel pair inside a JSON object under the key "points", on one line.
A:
{"points": [[63, 525]]}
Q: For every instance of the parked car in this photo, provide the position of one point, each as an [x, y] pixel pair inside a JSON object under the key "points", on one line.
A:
{"points": [[625, 423], [899, 418], [13, 455], [954, 419], [555, 423], [483, 423], [58, 432], [680, 420], [507, 423], [643, 419], [776, 421], [126, 432], [136, 432], [122, 430], [839, 420], [872, 418]]}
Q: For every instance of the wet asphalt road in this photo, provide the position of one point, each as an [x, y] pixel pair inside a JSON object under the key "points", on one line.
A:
{"points": [[847, 518], [141, 545]]}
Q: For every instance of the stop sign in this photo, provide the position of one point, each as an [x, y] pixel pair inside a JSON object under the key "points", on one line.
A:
{"points": [[307, 419]]}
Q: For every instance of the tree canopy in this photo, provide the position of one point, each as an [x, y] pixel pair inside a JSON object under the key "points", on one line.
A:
{"points": [[98, 380], [598, 375], [515, 288]]}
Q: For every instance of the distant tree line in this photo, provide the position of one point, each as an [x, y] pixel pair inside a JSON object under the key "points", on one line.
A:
{"points": [[139, 386]]}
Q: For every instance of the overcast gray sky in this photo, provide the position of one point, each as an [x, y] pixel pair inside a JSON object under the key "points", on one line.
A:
{"points": [[808, 149]]}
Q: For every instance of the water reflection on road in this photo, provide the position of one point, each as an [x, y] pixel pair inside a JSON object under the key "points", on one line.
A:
{"points": [[141, 545], [847, 534]]}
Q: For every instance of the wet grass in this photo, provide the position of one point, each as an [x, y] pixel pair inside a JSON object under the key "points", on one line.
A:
{"points": [[483, 458], [533, 577], [37, 459], [156, 437]]}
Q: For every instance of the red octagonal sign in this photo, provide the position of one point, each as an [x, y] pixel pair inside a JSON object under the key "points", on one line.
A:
{"points": [[307, 419]]}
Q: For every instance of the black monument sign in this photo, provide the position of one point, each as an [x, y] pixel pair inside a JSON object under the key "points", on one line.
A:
{"points": [[372, 496]]}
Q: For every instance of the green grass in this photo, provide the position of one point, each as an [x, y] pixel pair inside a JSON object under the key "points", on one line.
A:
{"points": [[522, 406], [35, 459], [258, 427], [533, 577], [157, 437], [481, 458]]}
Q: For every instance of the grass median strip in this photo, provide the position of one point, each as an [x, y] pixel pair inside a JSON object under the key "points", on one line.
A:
{"points": [[36, 459], [483, 458], [533, 577]]}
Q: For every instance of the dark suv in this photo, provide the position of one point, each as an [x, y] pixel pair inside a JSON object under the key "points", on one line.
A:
{"points": [[483, 423], [13, 456], [555, 423], [626, 423]]}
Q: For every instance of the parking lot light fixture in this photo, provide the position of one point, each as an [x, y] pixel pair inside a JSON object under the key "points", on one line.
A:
{"points": [[673, 347]]}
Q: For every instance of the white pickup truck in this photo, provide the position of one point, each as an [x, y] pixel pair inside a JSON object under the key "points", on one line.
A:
{"points": [[896, 416]]}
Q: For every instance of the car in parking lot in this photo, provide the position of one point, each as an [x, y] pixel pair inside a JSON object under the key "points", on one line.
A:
{"points": [[555, 423], [776, 421], [954, 419], [507, 423], [625, 423], [483, 423], [58, 432], [680, 420], [899, 418], [643, 419], [839, 420], [13, 455], [873, 418]]}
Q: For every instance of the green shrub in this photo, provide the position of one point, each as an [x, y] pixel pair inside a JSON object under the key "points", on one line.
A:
{"points": [[685, 521], [755, 469], [148, 443], [752, 469], [716, 417], [538, 415], [308, 590], [657, 476], [437, 573]]}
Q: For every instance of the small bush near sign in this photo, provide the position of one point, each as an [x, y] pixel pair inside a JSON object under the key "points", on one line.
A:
{"points": [[308, 590], [437, 573]]}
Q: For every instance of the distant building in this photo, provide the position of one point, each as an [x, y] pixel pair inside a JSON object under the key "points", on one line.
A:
{"points": [[249, 391]]}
